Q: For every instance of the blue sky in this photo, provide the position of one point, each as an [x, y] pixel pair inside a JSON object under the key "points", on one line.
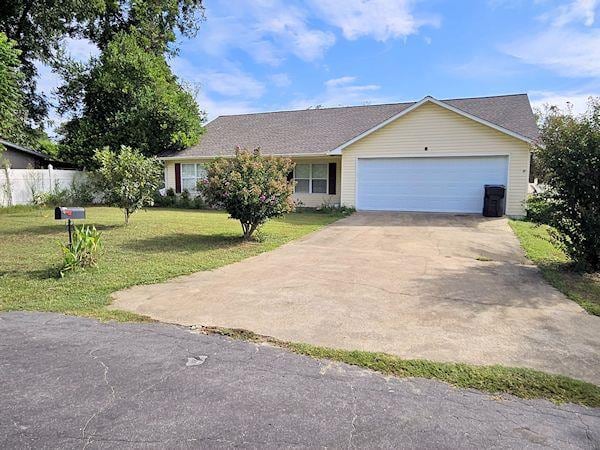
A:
{"points": [[265, 55]]}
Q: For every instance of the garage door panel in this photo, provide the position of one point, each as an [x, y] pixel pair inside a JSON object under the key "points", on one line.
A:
{"points": [[427, 184]]}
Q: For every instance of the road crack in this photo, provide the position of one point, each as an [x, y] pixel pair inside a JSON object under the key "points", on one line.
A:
{"points": [[354, 416]]}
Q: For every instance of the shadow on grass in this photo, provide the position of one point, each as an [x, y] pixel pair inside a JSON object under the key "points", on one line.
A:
{"points": [[581, 287], [56, 228], [40, 274], [184, 242]]}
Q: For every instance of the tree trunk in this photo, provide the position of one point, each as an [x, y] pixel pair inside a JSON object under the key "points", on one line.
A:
{"points": [[248, 229], [126, 216]]}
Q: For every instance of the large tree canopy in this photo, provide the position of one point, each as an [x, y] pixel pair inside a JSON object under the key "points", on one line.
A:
{"points": [[128, 96], [12, 110], [39, 27]]}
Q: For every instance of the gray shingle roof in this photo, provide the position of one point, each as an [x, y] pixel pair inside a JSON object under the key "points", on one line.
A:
{"points": [[318, 131]]}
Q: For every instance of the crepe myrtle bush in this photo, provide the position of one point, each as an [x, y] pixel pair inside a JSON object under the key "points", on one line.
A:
{"points": [[251, 187]]}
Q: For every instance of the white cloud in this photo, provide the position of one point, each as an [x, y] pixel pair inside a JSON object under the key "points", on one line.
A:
{"points": [[280, 79], [232, 84], [379, 19], [339, 81], [567, 44], [484, 67], [267, 30], [575, 11], [228, 82], [568, 52], [575, 100], [271, 30], [342, 91], [220, 92], [215, 108]]}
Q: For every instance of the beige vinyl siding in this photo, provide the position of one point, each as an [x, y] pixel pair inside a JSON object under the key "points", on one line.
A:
{"points": [[308, 200], [444, 133]]}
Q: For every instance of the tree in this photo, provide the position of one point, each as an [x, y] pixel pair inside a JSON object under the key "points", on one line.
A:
{"points": [[12, 109], [252, 188], [40, 27], [127, 179], [568, 156], [127, 97]]}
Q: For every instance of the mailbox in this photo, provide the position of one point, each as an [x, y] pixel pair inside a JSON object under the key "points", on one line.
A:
{"points": [[68, 213]]}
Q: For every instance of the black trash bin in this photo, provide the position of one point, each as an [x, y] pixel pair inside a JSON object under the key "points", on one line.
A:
{"points": [[493, 200]]}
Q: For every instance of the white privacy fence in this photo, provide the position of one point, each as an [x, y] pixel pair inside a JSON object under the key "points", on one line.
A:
{"points": [[23, 184]]}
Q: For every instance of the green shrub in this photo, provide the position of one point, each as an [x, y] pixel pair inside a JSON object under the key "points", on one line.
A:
{"points": [[81, 192], [164, 201], [252, 188], [539, 209], [569, 160], [84, 252], [185, 201], [57, 196], [127, 179], [198, 202], [329, 208]]}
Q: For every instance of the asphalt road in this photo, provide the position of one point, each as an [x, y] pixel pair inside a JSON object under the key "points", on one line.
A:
{"points": [[68, 382]]}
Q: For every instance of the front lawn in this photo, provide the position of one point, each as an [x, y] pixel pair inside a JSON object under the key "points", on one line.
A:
{"points": [[157, 244], [556, 266]]}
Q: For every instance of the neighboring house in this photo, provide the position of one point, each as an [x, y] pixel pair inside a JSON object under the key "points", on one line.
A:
{"points": [[431, 156], [24, 158]]}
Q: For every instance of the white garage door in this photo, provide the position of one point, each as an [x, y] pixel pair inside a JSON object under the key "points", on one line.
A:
{"points": [[434, 184]]}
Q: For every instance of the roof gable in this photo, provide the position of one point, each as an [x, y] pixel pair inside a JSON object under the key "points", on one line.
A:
{"points": [[328, 130], [443, 104]]}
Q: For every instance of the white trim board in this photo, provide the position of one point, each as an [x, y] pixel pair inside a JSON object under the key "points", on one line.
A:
{"points": [[429, 99]]}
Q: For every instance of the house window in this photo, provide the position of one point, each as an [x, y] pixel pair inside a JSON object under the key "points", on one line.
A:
{"points": [[190, 175], [311, 178]]}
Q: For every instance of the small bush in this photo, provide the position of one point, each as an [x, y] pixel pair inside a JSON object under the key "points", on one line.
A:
{"points": [[185, 201], [81, 192], [84, 252], [328, 208], [58, 196], [127, 179], [538, 209]]}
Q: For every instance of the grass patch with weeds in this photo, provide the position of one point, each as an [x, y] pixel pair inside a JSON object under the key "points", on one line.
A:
{"points": [[556, 267], [158, 244], [520, 382]]}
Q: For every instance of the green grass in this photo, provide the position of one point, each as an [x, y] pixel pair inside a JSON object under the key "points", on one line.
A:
{"points": [[158, 244], [520, 382], [557, 268]]}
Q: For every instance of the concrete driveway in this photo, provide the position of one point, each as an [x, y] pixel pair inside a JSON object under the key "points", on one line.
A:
{"points": [[440, 287]]}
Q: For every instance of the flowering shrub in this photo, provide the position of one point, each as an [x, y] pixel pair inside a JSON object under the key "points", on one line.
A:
{"points": [[252, 188]]}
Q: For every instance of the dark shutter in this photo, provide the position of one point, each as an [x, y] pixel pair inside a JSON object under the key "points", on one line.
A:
{"points": [[178, 178], [332, 178], [290, 176]]}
